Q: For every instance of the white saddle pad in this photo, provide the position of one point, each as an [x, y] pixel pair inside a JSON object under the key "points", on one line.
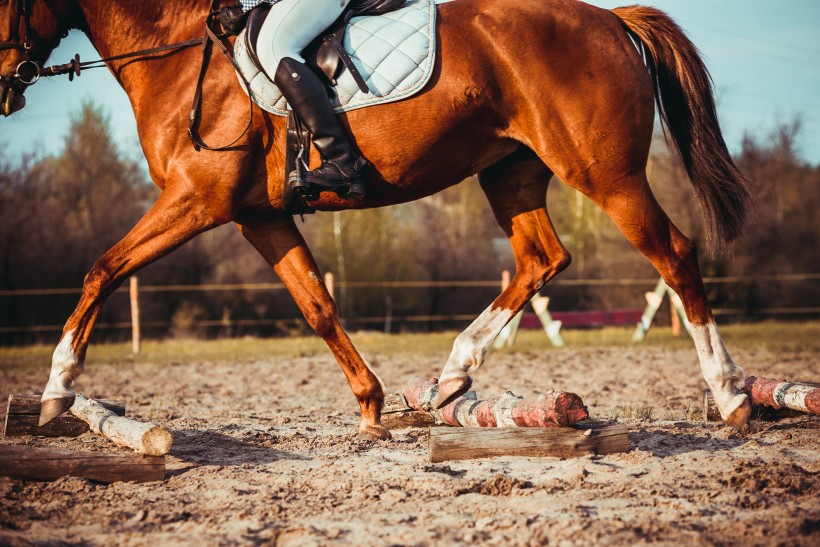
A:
{"points": [[394, 53]]}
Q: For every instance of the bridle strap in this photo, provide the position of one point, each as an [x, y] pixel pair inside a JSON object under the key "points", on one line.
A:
{"points": [[211, 39], [73, 67], [22, 12], [23, 9]]}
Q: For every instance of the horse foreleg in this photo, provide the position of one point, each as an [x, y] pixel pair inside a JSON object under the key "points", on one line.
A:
{"points": [[173, 220], [641, 219], [281, 244], [516, 188]]}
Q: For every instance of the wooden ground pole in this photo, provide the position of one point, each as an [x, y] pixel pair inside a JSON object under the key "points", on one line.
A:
{"points": [[451, 443], [25, 462]]}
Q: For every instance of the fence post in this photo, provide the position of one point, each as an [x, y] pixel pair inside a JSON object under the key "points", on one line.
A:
{"points": [[135, 314], [329, 283], [675, 319]]}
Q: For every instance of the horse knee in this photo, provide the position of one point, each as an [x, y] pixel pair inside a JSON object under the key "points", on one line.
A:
{"points": [[681, 268], [547, 267], [98, 281], [322, 318], [559, 262]]}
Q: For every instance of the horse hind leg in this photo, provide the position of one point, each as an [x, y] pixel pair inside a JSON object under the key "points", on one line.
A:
{"points": [[640, 218], [516, 188]]}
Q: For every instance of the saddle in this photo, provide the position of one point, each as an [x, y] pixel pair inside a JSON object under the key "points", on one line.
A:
{"points": [[325, 55]]}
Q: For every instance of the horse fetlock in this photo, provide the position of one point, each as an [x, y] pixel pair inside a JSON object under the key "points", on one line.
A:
{"points": [[736, 375], [58, 385], [66, 366], [464, 358]]}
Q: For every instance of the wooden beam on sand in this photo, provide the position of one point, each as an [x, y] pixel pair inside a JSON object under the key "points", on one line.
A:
{"points": [[23, 415], [397, 415], [561, 442], [24, 462], [144, 437]]}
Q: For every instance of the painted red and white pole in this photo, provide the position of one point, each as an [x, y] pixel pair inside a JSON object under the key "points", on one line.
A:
{"points": [[781, 394], [550, 409]]}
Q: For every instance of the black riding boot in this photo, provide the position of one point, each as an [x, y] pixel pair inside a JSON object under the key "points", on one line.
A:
{"points": [[307, 97]]}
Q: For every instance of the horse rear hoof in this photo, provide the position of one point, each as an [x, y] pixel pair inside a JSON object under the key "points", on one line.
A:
{"points": [[739, 417], [375, 433], [51, 408], [450, 389]]}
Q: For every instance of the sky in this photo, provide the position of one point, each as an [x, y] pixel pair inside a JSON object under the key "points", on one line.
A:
{"points": [[764, 57]]}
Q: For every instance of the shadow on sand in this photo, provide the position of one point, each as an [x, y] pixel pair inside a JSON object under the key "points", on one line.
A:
{"points": [[214, 448], [673, 443]]}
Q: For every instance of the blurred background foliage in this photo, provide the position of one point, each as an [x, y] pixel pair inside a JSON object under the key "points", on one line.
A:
{"points": [[58, 214]]}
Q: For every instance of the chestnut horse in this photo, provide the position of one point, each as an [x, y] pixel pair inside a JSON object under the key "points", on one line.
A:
{"points": [[523, 90]]}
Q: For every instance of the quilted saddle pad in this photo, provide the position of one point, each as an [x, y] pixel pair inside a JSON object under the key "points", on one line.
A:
{"points": [[394, 53]]}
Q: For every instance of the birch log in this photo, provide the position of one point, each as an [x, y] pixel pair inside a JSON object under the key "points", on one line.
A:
{"points": [[550, 409], [144, 437]]}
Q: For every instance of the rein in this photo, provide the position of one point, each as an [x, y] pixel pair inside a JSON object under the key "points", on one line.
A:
{"points": [[74, 66], [28, 71]]}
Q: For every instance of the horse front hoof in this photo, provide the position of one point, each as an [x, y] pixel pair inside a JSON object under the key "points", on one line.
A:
{"points": [[51, 408], [374, 433], [450, 389], [739, 417]]}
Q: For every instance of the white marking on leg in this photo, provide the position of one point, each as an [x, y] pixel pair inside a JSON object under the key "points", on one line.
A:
{"points": [[723, 376], [472, 344], [65, 368]]}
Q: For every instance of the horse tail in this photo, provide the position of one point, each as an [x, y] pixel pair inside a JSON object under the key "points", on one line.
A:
{"points": [[683, 93]]}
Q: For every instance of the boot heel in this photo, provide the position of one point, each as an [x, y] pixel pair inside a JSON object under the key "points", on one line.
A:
{"points": [[355, 191]]}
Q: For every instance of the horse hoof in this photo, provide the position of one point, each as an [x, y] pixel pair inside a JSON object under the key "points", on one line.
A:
{"points": [[51, 408], [739, 417], [449, 390], [374, 433]]}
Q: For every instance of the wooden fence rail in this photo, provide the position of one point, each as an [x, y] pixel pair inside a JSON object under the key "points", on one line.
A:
{"points": [[135, 289]]}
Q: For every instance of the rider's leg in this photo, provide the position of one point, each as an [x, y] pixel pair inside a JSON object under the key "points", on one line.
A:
{"points": [[288, 29]]}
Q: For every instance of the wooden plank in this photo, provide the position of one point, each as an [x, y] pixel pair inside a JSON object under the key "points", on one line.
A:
{"points": [[563, 442], [394, 402], [23, 414], [407, 418], [397, 415], [24, 462]]}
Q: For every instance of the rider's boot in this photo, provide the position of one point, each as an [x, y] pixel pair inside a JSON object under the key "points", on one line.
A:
{"points": [[306, 95]]}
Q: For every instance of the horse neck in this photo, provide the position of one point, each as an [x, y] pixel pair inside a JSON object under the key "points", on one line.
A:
{"points": [[122, 26]]}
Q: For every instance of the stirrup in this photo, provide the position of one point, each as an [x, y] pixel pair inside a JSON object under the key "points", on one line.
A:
{"points": [[298, 193]]}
